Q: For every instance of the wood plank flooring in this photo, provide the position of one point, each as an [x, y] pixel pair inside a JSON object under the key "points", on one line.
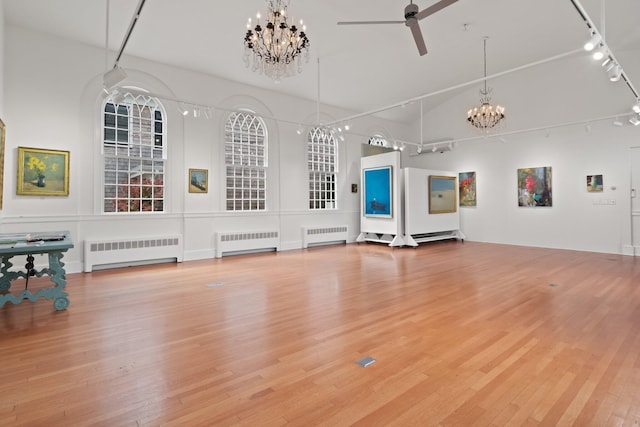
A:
{"points": [[464, 334]]}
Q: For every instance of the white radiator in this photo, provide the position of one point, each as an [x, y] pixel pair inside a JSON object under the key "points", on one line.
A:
{"points": [[131, 251], [316, 235], [242, 242]]}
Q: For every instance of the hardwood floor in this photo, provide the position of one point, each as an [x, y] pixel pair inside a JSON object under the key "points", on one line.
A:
{"points": [[463, 334]]}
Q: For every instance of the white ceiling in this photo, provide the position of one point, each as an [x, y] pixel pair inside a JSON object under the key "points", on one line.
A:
{"points": [[362, 67]]}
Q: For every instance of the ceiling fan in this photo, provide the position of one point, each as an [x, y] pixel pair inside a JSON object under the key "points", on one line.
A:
{"points": [[412, 14]]}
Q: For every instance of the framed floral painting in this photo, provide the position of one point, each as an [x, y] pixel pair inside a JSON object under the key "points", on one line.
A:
{"points": [[467, 188], [534, 187], [42, 172]]}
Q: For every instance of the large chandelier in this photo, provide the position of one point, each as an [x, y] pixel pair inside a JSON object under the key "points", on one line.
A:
{"points": [[486, 116], [276, 48]]}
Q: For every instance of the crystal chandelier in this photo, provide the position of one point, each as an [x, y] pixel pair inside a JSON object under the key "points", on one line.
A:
{"points": [[486, 116], [276, 48]]}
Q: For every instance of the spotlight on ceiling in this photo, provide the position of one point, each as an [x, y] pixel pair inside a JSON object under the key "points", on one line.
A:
{"points": [[636, 108], [615, 73], [593, 42], [634, 120], [598, 54], [617, 123]]}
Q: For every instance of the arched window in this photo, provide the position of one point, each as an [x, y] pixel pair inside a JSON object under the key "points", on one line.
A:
{"points": [[134, 152], [378, 141], [322, 161], [245, 155]]}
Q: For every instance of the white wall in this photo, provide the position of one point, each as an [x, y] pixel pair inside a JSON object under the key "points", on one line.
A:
{"points": [[53, 90], [571, 90], [1, 58]]}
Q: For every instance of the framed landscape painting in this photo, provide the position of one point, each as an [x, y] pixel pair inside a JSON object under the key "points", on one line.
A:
{"points": [[534, 187], [42, 172], [467, 188], [442, 194], [377, 192], [198, 180]]}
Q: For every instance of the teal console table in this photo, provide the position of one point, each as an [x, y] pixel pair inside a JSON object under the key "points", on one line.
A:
{"points": [[54, 245]]}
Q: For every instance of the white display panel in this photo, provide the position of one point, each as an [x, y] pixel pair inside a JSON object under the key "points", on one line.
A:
{"points": [[417, 218], [388, 225]]}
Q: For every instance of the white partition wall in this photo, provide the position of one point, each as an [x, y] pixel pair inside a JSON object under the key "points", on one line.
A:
{"points": [[382, 228], [419, 224]]}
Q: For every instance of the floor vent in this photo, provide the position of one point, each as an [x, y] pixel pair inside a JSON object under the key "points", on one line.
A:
{"points": [[131, 251], [229, 243], [366, 361], [324, 235]]}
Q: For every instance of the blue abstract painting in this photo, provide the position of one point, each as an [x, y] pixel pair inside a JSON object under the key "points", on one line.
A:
{"points": [[377, 192]]}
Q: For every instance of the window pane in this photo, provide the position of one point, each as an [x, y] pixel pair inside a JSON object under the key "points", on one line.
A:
{"points": [[322, 166], [133, 171], [245, 156]]}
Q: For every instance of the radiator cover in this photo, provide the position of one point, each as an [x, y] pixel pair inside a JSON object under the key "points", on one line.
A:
{"points": [[131, 250]]}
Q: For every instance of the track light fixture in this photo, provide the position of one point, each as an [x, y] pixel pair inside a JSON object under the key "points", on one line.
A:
{"points": [[593, 42], [636, 107], [634, 120], [112, 77], [615, 73]]}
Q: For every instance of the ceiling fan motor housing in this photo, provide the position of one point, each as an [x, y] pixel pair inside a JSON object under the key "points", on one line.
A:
{"points": [[411, 11]]}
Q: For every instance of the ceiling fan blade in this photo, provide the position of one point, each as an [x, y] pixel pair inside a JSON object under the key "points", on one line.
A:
{"points": [[417, 36], [369, 22], [434, 8]]}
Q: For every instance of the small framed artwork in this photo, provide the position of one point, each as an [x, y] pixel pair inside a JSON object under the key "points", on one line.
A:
{"points": [[2, 132], [467, 188], [198, 180], [376, 189], [594, 183], [42, 172], [354, 188], [442, 194]]}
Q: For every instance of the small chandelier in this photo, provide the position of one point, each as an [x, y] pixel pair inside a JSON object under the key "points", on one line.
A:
{"points": [[277, 47], [486, 116]]}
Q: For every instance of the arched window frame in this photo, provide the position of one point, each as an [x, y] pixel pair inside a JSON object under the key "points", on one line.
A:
{"points": [[379, 141], [246, 161], [322, 164], [134, 152]]}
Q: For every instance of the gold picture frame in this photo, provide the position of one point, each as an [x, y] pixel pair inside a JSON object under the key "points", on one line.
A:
{"points": [[442, 194], [2, 133], [42, 172], [198, 180]]}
